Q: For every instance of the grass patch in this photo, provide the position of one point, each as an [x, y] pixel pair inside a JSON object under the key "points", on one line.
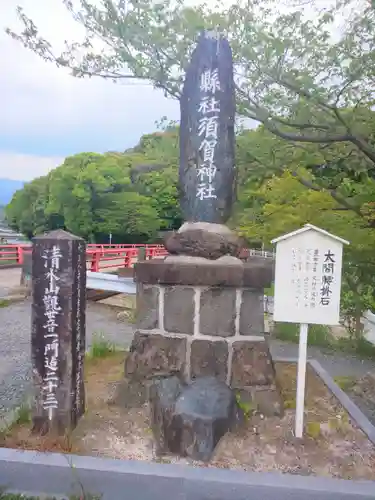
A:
{"points": [[319, 335], [247, 407], [101, 348], [313, 429], [4, 303], [270, 291], [23, 415], [345, 383], [360, 347]]}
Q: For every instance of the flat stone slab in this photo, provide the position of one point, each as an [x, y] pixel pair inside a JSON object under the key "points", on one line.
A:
{"points": [[256, 273]]}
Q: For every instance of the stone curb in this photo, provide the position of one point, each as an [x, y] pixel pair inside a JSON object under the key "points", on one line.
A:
{"points": [[53, 473], [57, 474]]}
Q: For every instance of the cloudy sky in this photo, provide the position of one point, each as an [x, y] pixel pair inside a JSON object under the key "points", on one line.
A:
{"points": [[45, 114]]}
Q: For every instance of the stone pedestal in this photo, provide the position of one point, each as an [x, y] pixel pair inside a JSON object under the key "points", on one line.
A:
{"points": [[205, 319]]}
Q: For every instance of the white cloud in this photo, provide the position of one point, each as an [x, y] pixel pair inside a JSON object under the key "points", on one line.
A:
{"points": [[26, 167], [46, 112]]}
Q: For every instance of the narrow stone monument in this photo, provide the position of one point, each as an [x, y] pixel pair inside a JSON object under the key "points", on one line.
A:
{"points": [[58, 331], [207, 171], [200, 313]]}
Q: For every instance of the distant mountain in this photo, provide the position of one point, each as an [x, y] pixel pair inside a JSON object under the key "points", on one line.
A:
{"points": [[7, 189]]}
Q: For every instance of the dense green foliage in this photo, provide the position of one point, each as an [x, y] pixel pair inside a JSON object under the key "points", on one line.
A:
{"points": [[92, 195]]}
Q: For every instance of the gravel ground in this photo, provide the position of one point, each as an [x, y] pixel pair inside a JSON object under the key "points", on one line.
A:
{"points": [[15, 368], [9, 280], [15, 349]]}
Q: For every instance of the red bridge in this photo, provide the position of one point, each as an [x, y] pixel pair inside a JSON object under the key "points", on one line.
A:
{"points": [[98, 257], [103, 257]]}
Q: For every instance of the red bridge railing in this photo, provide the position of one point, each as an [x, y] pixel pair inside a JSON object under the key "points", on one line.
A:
{"points": [[102, 257], [98, 257]]}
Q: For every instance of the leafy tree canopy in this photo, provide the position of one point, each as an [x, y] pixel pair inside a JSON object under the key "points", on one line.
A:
{"points": [[92, 195], [282, 204], [308, 80]]}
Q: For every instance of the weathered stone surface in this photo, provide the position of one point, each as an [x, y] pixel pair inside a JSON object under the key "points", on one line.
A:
{"points": [[209, 358], [163, 396], [252, 313], [191, 420], [251, 364], [202, 243], [147, 314], [187, 259], [208, 227], [58, 331], [225, 260], [207, 170], [229, 260], [257, 274], [218, 312], [179, 310], [153, 355]]}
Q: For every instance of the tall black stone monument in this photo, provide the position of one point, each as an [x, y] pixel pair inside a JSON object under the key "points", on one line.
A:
{"points": [[58, 331], [200, 316], [207, 168]]}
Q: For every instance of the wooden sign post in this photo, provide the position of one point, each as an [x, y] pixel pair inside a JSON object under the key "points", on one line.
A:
{"points": [[307, 290]]}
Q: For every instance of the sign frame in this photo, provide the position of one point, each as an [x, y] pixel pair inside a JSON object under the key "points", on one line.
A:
{"points": [[324, 267]]}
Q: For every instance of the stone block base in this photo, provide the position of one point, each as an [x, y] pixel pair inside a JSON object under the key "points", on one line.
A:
{"points": [[155, 356], [196, 331]]}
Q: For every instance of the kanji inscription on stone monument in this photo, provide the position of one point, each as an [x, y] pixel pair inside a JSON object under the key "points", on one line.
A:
{"points": [[207, 170], [58, 331]]}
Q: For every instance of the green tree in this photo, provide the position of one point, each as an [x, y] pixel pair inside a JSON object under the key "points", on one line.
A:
{"points": [[160, 150], [286, 205], [27, 210], [307, 81], [93, 195]]}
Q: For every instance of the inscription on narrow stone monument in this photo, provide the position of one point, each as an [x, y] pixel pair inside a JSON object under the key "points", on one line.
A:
{"points": [[207, 171], [58, 331]]}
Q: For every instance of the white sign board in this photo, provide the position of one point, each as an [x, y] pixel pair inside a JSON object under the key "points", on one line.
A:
{"points": [[308, 277]]}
